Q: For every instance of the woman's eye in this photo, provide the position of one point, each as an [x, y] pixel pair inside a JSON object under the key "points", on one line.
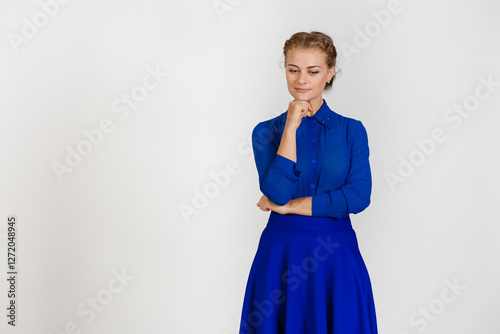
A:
{"points": [[295, 71]]}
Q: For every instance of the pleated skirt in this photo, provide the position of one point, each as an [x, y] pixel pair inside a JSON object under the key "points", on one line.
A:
{"points": [[308, 277]]}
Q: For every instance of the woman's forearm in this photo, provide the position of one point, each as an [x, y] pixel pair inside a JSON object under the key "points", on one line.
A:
{"points": [[288, 149], [300, 206], [288, 144]]}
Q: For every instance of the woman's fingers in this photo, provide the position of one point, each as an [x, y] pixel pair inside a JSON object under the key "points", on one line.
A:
{"points": [[304, 107], [264, 204]]}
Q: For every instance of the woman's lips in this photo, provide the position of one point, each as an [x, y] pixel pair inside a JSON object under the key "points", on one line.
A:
{"points": [[302, 90]]}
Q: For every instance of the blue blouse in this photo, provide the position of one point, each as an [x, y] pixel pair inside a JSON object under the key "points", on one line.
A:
{"points": [[332, 163]]}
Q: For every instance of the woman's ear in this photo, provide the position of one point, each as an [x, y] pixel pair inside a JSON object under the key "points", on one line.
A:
{"points": [[331, 73]]}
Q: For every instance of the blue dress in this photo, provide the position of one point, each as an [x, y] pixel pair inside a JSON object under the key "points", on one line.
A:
{"points": [[308, 275]]}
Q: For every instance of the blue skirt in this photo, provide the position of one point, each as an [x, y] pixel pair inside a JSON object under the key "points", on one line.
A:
{"points": [[308, 277]]}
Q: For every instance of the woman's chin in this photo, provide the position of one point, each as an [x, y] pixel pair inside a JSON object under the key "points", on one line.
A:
{"points": [[301, 96]]}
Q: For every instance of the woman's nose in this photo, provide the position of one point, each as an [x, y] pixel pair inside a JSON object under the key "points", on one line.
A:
{"points": [[303, 78]]}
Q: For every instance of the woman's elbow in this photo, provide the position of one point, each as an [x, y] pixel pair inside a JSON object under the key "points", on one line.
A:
{"points": [[275, 197], [279, 199], [362, 204]]}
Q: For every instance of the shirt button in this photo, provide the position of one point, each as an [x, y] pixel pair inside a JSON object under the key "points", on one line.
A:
{"points": [[313, 161], [312, 140], [312, 185]]}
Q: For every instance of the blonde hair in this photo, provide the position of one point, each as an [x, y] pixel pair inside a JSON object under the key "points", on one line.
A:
{"points": [[314, 40]]}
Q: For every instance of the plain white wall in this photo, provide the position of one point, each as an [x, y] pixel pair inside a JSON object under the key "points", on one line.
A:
{"points": [[407, 67]]}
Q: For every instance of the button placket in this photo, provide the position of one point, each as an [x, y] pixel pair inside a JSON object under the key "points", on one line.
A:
{"points": [[313, 159]]}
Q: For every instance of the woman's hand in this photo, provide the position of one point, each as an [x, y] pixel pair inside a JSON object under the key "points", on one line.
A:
{"points": [[296, 111], [265, 204]]}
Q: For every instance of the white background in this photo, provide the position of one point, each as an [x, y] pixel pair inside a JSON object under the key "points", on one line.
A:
{"points": [[119, 209]]}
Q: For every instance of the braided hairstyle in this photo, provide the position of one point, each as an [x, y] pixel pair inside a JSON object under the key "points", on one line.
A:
{"points": [[314, 40]]}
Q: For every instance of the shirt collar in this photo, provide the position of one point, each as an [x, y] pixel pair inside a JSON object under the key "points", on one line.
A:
{"points": [[324, 115]]}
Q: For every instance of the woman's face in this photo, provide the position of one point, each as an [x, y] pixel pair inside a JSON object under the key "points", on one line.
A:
{"points": [[306, 74]]}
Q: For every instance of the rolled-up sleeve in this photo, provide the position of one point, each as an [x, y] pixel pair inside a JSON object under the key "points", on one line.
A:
{"points": [[354, 195], [278, 175]]}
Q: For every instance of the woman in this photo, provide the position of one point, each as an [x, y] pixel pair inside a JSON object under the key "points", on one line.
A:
{"points": [[308, 275]]}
